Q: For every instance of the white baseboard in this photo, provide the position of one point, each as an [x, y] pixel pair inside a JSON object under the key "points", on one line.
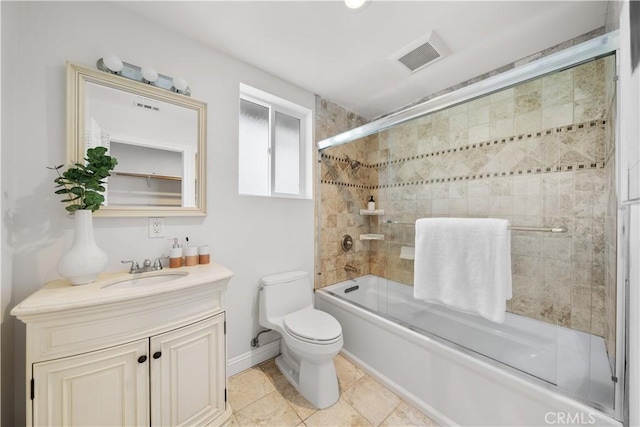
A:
{"points": [[253, 357]]}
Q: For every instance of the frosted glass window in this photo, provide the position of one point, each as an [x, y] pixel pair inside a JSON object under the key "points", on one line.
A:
{"points": [[254, 165], [275, 146], [287, 154]]}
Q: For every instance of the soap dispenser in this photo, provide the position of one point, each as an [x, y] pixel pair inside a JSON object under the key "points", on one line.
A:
{"points": [[175, 255], [372, 204]]}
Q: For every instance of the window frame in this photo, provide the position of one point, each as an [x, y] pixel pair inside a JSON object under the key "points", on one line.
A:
{"points": [[275, 105]]}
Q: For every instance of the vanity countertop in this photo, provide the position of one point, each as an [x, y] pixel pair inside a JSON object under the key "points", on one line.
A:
{"points": [[60, 294]]}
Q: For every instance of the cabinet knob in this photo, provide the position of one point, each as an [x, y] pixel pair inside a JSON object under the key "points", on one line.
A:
{"points": [[142, 359], [157, 355]]}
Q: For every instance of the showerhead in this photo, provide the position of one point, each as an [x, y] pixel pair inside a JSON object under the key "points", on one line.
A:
{"points": [[355, 164]]}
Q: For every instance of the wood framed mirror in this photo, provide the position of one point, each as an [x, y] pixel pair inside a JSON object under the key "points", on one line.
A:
{"points": [[157, 136]]}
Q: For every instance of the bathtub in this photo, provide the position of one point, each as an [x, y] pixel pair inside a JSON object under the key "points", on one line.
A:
{"points": [[464, 370]]}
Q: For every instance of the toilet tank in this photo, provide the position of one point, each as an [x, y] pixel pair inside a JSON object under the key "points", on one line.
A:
{"points": [[284, 293]]}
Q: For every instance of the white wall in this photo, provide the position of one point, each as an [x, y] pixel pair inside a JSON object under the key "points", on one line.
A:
{"points": [[2, 307], [628, 115], [6, 295], [634, 316], [250, 235], [629, 185]]}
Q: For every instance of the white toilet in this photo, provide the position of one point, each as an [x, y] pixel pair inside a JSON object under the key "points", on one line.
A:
{"points": [[310, 338]]}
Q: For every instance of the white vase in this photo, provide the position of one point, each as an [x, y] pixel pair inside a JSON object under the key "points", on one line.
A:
{"points": [[82, 263]]}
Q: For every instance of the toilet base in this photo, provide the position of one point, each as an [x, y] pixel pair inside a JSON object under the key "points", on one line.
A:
{"points": [[316, 382]]}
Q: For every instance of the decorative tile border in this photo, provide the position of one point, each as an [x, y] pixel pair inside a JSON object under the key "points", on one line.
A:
{"points": [[346, 184], [344, 160], [569, 168], [568, 128], [539, 170]]}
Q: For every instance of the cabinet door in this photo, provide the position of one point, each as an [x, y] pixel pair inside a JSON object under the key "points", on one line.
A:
{"points": [[188, 374], [103, 388]]}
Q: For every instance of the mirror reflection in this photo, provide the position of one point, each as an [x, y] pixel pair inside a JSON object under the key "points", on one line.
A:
{"points": [[155, 142], [157, 136]]}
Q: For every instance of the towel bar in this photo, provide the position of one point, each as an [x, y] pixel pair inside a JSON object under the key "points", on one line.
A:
{"points": [[562, 229]]}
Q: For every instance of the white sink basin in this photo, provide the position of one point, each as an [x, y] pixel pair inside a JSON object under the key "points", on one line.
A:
{"points": [[136, 281]]}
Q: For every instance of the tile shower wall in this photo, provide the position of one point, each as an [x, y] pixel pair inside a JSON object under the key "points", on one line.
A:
{"points": [[533, 154], [339, 204]]}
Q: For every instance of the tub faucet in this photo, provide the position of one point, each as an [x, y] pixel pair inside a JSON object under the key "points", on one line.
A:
{"points": [[350, 268]]}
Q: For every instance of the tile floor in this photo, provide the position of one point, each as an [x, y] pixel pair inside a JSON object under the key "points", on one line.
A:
{"points": [[262, 396]]}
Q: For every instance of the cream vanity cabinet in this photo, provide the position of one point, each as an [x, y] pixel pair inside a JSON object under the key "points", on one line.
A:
{"points": [[133, 356]]}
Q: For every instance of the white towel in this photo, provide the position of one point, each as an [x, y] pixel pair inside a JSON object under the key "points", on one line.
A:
{"points": [[464, 263]]}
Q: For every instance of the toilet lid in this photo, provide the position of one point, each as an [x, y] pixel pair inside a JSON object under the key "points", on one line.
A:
{"points": [[313, 324]]}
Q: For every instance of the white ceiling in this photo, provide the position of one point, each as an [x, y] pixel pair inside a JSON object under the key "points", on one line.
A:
{"points": [[342, 55]]}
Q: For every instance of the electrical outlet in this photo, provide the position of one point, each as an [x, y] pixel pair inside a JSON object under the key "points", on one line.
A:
{"points": [[156, 227]]}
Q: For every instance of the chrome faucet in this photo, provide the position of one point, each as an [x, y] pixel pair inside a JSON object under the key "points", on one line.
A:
{"points": [[146, 265], [350, 268]]}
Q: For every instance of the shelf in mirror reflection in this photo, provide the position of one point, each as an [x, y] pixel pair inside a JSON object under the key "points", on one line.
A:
{"points": [[148, 176]]}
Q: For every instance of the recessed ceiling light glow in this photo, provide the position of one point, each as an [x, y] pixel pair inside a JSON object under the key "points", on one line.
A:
{"points": [[354, 4]]}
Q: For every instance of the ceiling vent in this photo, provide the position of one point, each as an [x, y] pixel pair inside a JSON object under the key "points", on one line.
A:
{"points": [[146, 103], [422, 52]]}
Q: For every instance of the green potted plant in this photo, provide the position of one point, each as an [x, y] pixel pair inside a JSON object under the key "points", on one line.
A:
{"points": [[83, 185]]}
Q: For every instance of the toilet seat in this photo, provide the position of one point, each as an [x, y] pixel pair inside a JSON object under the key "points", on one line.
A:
{"points": [[313, 326]]}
